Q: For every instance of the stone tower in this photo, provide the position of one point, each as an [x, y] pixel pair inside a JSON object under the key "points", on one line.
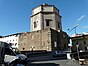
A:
{"points": [[46, 31], [45, 16]]}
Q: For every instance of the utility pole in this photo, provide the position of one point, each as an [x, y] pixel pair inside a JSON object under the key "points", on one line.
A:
{"points": [[74, 28], [77, 45], [77, 50]]}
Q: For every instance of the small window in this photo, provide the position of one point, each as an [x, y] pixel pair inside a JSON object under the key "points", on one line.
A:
{"points": [[7, 40], [48, 22], [10, 40], [55, 44], [16, 39], [35, 24], [84, 42], [58, 25]]}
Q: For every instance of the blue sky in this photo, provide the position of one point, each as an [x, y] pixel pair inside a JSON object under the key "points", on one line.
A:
{"points": [[15, 14]]}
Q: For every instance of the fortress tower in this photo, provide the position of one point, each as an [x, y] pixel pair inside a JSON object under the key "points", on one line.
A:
{"points": [[44, 16]]}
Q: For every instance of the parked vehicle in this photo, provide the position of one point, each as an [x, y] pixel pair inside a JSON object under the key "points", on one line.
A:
{"points": [[59, 54], [9, 57]]}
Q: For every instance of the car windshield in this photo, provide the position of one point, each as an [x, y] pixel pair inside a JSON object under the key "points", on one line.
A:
{"points": [[16, 50]]}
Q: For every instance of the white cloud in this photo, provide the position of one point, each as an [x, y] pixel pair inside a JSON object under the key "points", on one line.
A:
{"points": [[80, 18], [85, 26]]}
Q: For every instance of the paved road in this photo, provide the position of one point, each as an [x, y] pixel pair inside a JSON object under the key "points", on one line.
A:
{"points": [[51, 61], [55, 63]]}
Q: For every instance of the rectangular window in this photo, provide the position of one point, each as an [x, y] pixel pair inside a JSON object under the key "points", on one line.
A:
{"points": [[58, 25], [47, 22], [35, 24], [55, 44]]}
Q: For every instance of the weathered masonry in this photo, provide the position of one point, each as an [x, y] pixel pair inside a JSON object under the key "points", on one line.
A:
{"points": [[46, 39]]}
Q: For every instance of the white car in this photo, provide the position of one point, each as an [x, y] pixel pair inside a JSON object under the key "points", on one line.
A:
{"points": [[13, 58]]}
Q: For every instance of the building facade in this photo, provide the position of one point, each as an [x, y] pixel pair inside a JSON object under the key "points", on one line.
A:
{"points": [[46, 39], [81, 40], [45, 16], [11, 39]]}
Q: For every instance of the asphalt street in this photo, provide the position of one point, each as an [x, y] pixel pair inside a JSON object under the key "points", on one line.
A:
{"points": [[55, 63], [52, 61]]}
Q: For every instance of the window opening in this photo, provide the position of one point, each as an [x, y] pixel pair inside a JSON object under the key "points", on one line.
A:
{"points": [[35, 24], [58, 25], [84, 42], [48, 22]]}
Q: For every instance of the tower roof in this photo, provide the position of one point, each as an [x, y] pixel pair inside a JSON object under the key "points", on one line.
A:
{"points": [[45, 5]]}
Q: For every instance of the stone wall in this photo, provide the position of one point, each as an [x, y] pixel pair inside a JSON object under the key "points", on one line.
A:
{"points": [[46, 39], [36, 40]]}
